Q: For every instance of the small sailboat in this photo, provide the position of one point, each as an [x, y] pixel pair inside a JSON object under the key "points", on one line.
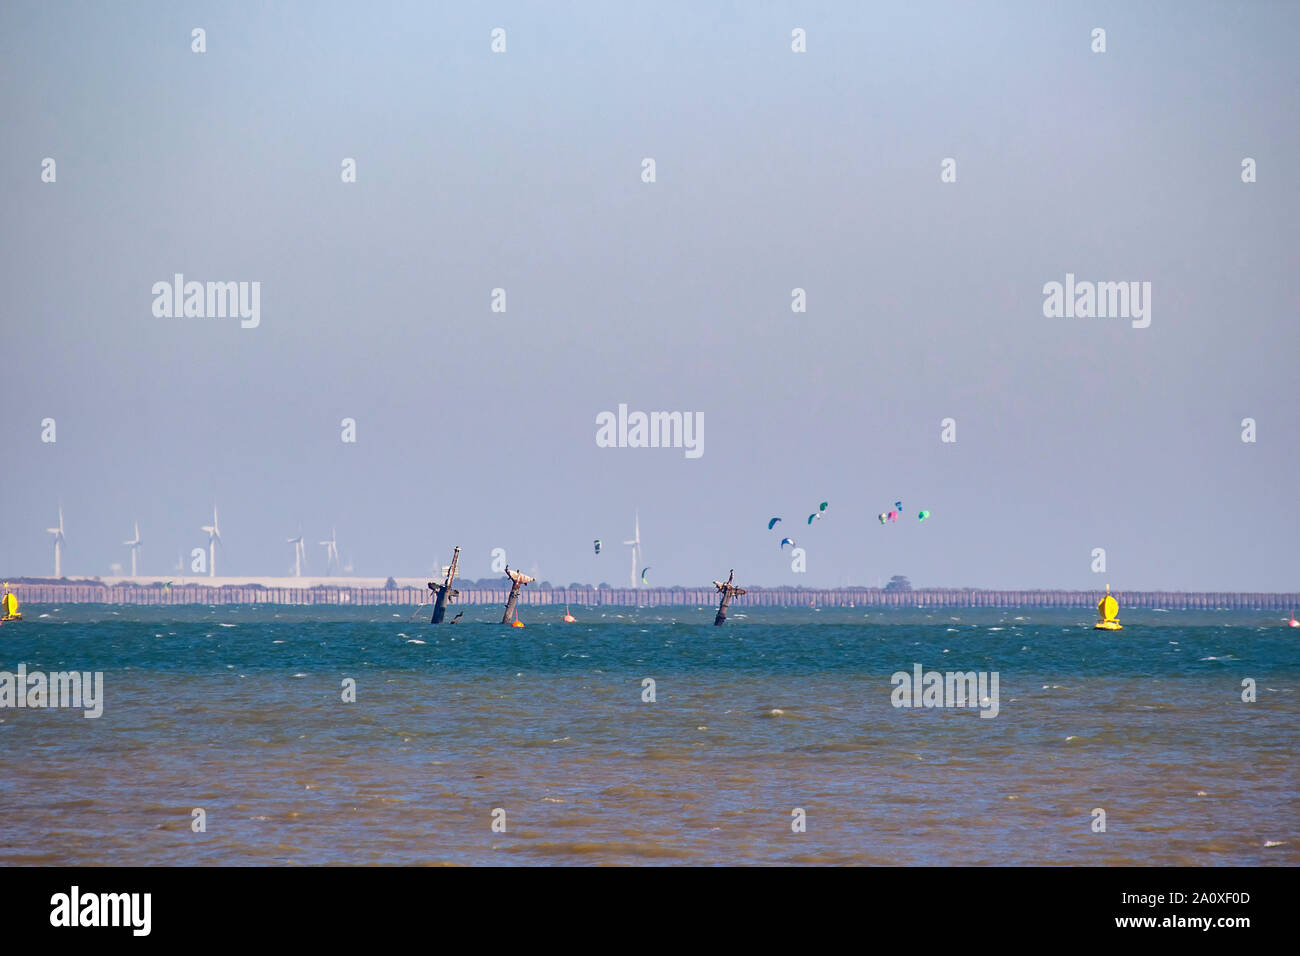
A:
{"points": [[569, 618], [1108, 611]]}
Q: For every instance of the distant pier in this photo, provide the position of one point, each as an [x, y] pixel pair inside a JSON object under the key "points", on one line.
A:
{"points": [[89, 592]]}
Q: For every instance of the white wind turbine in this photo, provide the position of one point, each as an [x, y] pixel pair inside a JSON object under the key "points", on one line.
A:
{"points": [[134, 545], [214, 535], [299, 554], [331, 551], [636, 547], [58, 545]]}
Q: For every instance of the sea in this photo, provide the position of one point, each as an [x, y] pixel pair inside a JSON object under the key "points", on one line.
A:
{"points": [[284, 735]]}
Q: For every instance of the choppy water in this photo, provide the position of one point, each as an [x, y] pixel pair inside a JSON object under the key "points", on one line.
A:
{"points": [[238, 710]]}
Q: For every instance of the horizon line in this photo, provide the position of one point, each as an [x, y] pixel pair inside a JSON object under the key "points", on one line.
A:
{"points": [[308, 583]]}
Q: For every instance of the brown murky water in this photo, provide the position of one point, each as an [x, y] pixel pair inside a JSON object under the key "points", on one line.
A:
{"points": [[778, 712]]}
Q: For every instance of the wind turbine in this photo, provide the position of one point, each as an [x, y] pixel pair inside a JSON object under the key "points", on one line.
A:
{"points": [[58, 545], [636, 547], [214, 535], [331, 551], [299, 554], [134, 545]]}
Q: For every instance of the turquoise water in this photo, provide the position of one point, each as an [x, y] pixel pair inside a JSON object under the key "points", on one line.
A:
{"points": [[238, 711]]}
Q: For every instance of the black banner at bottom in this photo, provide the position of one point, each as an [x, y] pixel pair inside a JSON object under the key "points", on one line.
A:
{"points": [[299, 905]]}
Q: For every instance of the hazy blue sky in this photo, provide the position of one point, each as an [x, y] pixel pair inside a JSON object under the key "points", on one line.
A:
{"points": [[775, 170]]}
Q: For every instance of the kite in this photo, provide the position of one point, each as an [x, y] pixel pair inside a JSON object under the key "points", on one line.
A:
{"points": [[922, 515], [643, 578], [789, 541], [814, 516], [822, 506], [771, 523], [883, 517], [893, 516], [596, 545]]}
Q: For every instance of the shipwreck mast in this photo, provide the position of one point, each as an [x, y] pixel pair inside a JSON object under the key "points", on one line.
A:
{"points": [[728, 591], [518, 579], [444, 593]]}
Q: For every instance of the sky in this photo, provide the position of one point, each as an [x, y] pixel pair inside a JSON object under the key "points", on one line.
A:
{"points": [[774, 170]]}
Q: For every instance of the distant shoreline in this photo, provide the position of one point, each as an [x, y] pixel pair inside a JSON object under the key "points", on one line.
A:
{"points": [[36, 591]]}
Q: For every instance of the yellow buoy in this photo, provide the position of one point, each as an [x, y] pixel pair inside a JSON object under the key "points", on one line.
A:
{"points": [[9, 607], [1108, 611]]}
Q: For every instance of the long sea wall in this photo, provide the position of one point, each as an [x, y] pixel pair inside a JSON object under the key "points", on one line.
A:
{"points": [[92, 593]]}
